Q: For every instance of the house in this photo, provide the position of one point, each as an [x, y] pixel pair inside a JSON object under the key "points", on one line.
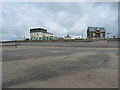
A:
{"points": [[40, 34], [95, 33], [67, 37]]}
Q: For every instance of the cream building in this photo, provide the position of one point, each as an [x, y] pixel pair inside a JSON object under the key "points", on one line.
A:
{"points": [[40, 34]]}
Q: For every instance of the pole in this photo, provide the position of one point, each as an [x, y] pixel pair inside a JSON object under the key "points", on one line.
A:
{"points": [[24, 36], [82, 33]]}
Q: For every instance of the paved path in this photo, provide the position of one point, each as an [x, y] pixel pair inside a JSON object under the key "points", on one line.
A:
{"points": [[55, 67]]}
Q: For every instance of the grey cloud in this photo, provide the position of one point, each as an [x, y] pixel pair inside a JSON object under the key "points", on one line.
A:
{"points": [[59, 18]]}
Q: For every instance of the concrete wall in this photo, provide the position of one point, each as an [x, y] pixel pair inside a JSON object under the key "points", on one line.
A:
{"points": [[101, 43]]}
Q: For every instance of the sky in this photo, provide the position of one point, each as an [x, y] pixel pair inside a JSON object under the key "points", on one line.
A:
{"points": [[59, 18]]}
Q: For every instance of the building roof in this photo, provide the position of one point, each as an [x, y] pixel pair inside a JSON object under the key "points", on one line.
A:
{"points": [[38, 30], [67, 36], [49, 33], [92, 29]]}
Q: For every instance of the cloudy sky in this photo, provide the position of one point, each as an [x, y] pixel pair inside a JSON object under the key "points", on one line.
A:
{"points": [[59, 18]]}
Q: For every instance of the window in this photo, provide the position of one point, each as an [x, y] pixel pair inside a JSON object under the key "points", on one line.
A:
{"points": [[98, 31], [101, 34], [32, 34], [93, 34]]}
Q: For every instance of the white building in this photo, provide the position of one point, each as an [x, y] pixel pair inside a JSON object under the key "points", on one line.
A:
{"points": [[40, 34]]}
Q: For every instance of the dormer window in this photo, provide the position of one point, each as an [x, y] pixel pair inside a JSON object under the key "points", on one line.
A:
{"points": [[97, 31]]}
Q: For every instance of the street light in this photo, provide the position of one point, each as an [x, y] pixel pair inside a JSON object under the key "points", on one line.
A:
{"points": [[82, 34], [24, 36]]}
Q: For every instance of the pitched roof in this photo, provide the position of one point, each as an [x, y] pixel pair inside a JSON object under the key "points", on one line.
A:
{"points": [[92, 29], [67, 36], [102, 29]]}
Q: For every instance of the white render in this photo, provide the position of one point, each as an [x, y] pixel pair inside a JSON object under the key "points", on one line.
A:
{"points": [[37, 35]]}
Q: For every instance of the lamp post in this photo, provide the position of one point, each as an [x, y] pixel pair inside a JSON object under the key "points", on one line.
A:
{"points": [[82, 34], [24, 36]]}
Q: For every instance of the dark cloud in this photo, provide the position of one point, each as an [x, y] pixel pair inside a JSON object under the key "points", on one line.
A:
{"points": [[59, 18]]}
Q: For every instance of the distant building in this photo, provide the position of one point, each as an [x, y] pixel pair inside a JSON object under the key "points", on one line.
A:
{"points": [[40, 34], [95, 33], [67, 37]]}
